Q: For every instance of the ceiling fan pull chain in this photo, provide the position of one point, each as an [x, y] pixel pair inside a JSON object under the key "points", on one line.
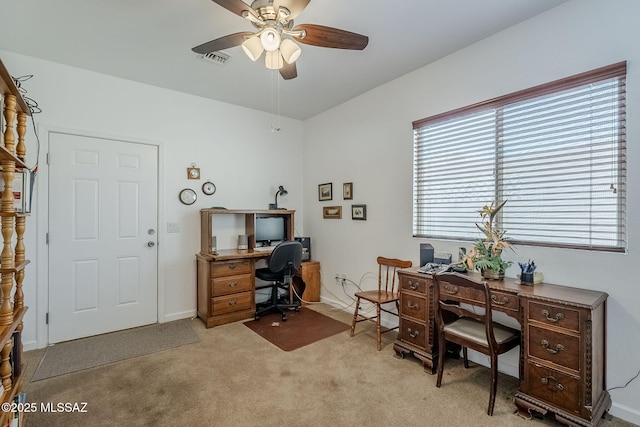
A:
{"points": [[275, 102]]}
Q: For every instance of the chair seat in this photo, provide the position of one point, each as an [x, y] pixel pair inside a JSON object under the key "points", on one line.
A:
{"points": [[267, 275], [472, 330], [378, 297]]}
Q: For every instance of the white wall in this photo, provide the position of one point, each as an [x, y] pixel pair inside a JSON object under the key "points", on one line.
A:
{"points": [[368, 141], [233, 146]]}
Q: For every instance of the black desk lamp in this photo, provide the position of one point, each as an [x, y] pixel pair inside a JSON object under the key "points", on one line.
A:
{"points": [[281, 192]]}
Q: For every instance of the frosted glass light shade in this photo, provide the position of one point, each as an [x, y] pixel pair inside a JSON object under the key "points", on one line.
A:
{"points": [[270, 39], [253, 48], [273, 60], [290, 50]]}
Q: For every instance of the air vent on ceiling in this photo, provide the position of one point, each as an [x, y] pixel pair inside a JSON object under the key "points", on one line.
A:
{"points": [[216, 57]]}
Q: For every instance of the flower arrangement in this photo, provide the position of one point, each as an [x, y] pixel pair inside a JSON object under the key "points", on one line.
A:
{"points": [[486, 254]]}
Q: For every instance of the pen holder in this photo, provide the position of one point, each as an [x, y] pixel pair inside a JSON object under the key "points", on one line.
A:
{"points": [[527, 277]]}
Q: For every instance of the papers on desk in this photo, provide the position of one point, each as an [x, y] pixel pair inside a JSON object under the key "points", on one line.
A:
{"points": [[264, 249]]}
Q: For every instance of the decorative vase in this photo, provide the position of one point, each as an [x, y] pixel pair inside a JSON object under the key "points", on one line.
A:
{"points": [[492, 274]]}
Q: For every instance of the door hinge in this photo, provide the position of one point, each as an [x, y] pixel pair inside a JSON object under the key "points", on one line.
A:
{"points": [[46, 238], [46, 319], [47, 158]]}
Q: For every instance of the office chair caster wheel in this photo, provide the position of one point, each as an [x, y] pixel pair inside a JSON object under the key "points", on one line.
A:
{"points": [[284, 317], [256, 317], [297, 309]]}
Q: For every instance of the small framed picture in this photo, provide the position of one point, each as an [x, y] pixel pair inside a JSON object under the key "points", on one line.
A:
{"points": [[359, 212], [332, 212], [347, 190], [325, 191]]}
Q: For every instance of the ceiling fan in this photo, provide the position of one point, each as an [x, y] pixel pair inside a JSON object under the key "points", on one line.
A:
{"points": [[274, 20]]}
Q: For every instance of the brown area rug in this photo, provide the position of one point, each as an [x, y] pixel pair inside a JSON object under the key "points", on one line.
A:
{"points": [[302, 328]]}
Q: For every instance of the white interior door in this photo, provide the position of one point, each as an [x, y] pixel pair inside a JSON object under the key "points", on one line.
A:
{"points": [[103, 258]]}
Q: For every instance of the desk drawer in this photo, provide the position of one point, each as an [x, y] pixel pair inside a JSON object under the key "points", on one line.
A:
{"points": [[231, 303], [415, 284], [230, 285], [561, 349], [553, 387], [413, 333], [505, 301], [558, 315], [228, 268], [413, 305]]}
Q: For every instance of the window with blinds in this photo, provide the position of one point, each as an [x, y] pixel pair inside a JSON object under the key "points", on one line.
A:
{"points": [[555, 152]]}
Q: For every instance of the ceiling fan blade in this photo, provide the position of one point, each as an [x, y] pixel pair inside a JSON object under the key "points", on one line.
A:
{"points": [[295, 6], [288, 71], [236, 6], [319, 35], [225, 42]]}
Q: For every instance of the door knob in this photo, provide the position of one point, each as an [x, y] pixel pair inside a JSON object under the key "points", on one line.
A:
{"points": [[151, 244]]}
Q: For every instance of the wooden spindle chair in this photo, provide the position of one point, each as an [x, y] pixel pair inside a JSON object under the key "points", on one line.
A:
{"points": [[385, 294]]}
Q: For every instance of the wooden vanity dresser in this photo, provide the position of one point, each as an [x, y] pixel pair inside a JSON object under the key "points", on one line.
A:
{"points": [[562, 352]]}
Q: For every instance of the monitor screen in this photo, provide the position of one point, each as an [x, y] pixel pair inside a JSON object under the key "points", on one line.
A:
{"points": [[270, 229]]}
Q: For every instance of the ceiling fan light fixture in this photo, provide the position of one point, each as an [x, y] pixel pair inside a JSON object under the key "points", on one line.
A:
{"points": [[290, 51], [270, 39], [273, 60], [253, 47]]}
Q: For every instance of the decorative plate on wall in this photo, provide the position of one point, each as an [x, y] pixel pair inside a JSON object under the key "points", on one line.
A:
{"points": [[208, 188], [188, 196]]}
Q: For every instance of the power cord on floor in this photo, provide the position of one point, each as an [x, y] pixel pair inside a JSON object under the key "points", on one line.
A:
{"points": [[365, 306]]}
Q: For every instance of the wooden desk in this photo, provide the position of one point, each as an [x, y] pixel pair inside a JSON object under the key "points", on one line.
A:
{"points": [[226, 285], [562, 351], [310, 274]]}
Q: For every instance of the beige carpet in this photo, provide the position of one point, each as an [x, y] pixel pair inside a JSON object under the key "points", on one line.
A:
{"points": [[233, 377], [85, 353]]}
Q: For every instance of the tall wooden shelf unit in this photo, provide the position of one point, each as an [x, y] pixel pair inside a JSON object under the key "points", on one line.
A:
{"points": [[12, 261]]}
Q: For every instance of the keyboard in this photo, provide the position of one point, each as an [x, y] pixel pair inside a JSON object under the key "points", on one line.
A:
{"points": [[264, 249]]}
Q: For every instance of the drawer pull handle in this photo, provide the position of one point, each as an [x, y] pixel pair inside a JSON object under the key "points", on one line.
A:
{"points": [[550, 378], [412, 306], [232, 266], [558, 348], [503, 301], [413, 333], [451, 289], [559, 316], [413, 286], [234, 302], [233, 284]]}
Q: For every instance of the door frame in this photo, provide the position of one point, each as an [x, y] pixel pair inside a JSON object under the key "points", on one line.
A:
{"points": [[42, 222]]}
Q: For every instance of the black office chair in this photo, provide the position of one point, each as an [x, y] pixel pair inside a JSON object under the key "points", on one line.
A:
{"points": [[282, 263]]}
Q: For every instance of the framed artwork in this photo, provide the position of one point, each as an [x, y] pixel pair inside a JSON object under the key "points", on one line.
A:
{"points": [[325, 191], [359, 212], [332, 212], [347, 190]]}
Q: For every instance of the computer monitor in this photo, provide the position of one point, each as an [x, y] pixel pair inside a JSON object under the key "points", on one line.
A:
{"points": [[269, 230]]}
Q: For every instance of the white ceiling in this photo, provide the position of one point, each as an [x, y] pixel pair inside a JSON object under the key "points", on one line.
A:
{"points": [[150, 41]]}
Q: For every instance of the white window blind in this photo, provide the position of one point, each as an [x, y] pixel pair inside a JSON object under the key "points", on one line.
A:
{"points": [[556, 153]]}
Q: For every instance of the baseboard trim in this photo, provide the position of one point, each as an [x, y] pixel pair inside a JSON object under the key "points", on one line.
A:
{"points": [[178, 316], [625, 413]]}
